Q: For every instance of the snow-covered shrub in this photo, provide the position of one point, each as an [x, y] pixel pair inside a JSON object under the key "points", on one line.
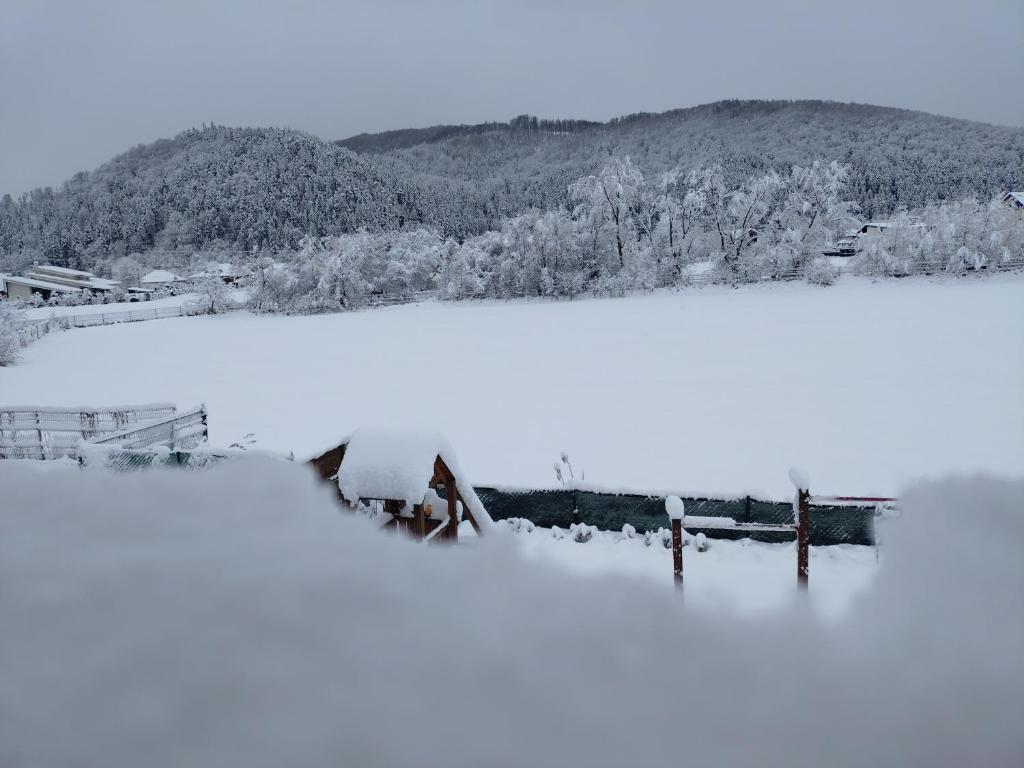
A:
{"points": [[518, 525], [662, 536], [212, 297], [581, 533], [821, 272], [878, 261], [10, 338]]}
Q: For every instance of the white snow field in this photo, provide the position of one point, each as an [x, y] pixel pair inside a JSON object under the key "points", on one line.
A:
{"points": [[864, 385], [234, 618]]}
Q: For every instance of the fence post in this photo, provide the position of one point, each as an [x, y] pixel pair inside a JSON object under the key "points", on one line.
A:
{"points": [[675, 509], [803, 538], [802, 513]]}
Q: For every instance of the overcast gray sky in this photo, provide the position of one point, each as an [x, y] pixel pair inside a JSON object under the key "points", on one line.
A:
{"points": [[82, 80]]}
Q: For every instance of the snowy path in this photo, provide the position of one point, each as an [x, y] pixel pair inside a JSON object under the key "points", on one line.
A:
{"points": [[866, 386]]}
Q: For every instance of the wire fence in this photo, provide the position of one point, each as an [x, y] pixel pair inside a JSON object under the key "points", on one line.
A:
{"points": [[177, 433], [52, 433], [712, 276], [31, 331], [85, 319]]}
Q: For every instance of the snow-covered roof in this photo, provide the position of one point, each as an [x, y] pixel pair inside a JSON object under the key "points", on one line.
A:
{"points": [[159, 276], [61, 271], [397, 463], [1017, 196], [33, 282], [77, 280]]}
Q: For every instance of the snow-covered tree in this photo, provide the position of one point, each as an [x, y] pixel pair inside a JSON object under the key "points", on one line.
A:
{"points": [[127, 271], [605, 201], [10, 341]]}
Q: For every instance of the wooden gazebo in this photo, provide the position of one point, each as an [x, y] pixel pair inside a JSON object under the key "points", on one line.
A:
{"points": [[408, 471]]}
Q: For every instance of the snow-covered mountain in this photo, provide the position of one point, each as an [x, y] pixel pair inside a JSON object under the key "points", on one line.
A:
{"points": [[242, 188], [897, 157]]}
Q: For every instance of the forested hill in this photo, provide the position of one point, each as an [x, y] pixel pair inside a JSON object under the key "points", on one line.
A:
{"points": [[213, 187], [244, 188], [897, 157]]}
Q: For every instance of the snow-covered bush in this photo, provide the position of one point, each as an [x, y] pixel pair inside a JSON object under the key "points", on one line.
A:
{"points": [[581, 533], [10, 338], [212, 297], [821, 272]]}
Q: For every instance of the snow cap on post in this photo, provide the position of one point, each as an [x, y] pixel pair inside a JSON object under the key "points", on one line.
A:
{"points": [[799, 479], [674, 507]]}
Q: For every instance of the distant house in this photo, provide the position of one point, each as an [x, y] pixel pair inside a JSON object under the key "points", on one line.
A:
{"points": [[160, 278], [874, 228], [851, 243], [228, 273], [1013, 200], [25, 287], [71, 278], [845, 247]]}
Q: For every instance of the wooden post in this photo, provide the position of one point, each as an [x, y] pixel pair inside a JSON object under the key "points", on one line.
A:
{"points": [[803, 537], [452, 533], [419, 522], [677, 551]]}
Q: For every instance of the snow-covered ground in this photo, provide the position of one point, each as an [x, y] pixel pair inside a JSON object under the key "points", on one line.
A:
{"points": [[745, 577], [865, 385]]}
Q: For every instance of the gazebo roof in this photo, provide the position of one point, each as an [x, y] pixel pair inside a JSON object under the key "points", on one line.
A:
{"points": [[399, 464]]}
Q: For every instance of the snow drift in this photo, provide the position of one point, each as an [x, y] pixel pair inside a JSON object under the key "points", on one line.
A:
{"points": [[234, 618]]}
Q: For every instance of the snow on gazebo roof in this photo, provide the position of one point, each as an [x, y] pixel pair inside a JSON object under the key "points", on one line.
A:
{"points": [[398, 463]]}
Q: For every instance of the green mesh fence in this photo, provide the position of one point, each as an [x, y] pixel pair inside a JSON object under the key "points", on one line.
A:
{"points": [[608, 511]]}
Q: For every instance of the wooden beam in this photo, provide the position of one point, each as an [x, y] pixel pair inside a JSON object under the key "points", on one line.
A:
{"points": [[419, 529], [467, 512], [327, 464], [452, 534]]}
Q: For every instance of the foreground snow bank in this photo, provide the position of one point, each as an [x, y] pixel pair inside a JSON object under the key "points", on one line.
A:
{"points": [[234, 618]]}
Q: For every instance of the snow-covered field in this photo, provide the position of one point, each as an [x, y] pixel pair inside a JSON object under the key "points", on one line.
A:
{"points": [[866, 386]]}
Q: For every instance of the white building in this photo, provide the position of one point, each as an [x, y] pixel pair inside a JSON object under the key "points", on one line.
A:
{"points": [[1014, 200], [71, 278], [24, 287]]}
